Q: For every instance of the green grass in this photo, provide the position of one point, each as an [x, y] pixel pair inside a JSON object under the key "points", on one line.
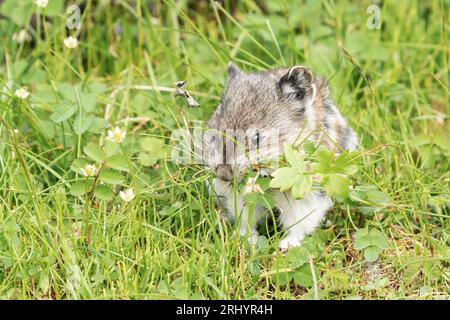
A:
{"points": [[170, 241]]}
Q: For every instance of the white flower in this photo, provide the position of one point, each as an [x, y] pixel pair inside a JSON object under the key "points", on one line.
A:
{"points": [[41, 3], [71, 42], [440, 120], [22, 93], [128, 195], [252, 186], [89, 170], [117, 135], [21, 36]]}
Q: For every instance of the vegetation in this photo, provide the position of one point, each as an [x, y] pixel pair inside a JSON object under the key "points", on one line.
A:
{"points": [[88, 211]]}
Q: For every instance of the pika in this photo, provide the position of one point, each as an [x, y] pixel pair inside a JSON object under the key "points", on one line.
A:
{"points": [[291, 102]]}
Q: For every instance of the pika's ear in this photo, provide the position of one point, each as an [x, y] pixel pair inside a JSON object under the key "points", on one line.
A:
{"points": [[233, 70], [297, 84]]}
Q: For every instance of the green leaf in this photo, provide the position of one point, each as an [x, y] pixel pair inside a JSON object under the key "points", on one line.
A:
{"points": [[292, 177], [432, 270], [88, 101], [20, 67], [18, 11], [279, 274], [284, 178], [145, 159], [44, 282], [54, 8], [155, 147], [362, 239], [98, 125], [47, 128], [118, 162], [377, 197], [338, 279], [44, 95], [369, 194], [442, 140], [336, 185], [297, 257], [377, 238], [103, 193], [357, 196], [302, 187], [265, 200], [63, 111], [82, 124], [94, 152], [68, 92], [412, 271], [315, 243], [97, 87], [324, 158], [111, 176], [334, 172], [111, 148], [150, 144], [344, 163], [294, 158], [371, 253], [309, 147], [21, 184], [304, 277], [420, 140], [35, 76], [372, 242], [80, 188], [264, 183]]}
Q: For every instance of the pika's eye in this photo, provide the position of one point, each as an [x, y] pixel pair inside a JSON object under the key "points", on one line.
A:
{"points": [[256, 140]]}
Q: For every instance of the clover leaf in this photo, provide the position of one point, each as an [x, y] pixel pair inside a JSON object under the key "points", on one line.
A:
{"points": [[294, 177], [373, 242]]}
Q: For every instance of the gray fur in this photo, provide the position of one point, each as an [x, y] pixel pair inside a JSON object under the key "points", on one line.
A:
{"points": [[296, 103]]}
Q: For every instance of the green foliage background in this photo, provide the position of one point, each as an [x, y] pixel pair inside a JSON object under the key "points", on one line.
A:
{"points": [[389, 238]]}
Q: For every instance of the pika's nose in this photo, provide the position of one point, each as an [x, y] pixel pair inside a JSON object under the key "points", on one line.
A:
{"points": [[224, 172]]}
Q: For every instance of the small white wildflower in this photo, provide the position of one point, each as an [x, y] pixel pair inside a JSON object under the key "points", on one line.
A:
{"points": [[22, 93], [252, 186], [128, 195], [41, 3], [89, 170], [71, 42], [21, 37], [116, 135]]}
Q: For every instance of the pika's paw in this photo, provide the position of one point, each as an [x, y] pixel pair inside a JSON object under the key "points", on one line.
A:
{"points": [[289, 242]]}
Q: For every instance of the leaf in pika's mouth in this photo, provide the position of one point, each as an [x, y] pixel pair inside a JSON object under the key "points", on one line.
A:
{"points": [[180, 91]]}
